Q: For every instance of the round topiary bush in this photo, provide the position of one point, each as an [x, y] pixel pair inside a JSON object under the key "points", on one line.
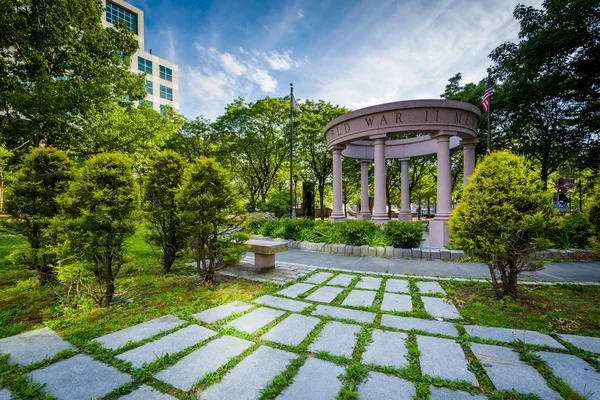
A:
{"points": [[504, 215], [404, 234]]}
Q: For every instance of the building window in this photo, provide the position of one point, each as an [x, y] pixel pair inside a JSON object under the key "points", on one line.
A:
{"points": [[166, 92], [149, 88], [115, 13], [148, 102], [166, 73], [144, 65]]}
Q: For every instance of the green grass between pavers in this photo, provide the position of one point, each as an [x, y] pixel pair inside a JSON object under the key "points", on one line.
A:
{"points": [[145, 293]]}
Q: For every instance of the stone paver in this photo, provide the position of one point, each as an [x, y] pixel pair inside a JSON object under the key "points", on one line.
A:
{"points": [[380, 386], [409, 323], [359, 298], [387, 349], [292, 330], [396, 302], [221, 312], [576, 373], [170, 344], [447, 394], [325, 294], [345, 313], [255, 320], [319, 277], [316, 380], [443, 358], [33, 346], [254, 373], [511, 335], [285, 304], [591, 344], [508, 372], [79, 377], [367, 282], [296, 289], [5, 394], [438, 308], [430, 288], [146, 392], [341, 280], [336, 339], [139, 332], [207, 359], [397, 286]]}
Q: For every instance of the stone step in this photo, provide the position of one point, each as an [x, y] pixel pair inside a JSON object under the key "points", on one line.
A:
{"points": [[575, 372], [387, 349], [170, 344], [325, 294], [444, 358], [508, 372], [192, 368], [426, 287], [396, 302], [79, 378], [510, 335], [292, 330], [5, 394], [253, 374], [318, 278], [221, 312], [438, 308], [409, 323], [316, 380], [437, 393], [33, 346], [146, 392], [345, 313], [380, 386], [139, 332], [255, 320], [360, 298], [367, 282], [337, 339], [295, 290], [341, 280], [397, 286], [591, 344], [284, 304]]}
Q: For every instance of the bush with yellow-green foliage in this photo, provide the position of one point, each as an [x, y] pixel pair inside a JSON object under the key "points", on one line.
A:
{"points": [[594, 217], [504, 216]]}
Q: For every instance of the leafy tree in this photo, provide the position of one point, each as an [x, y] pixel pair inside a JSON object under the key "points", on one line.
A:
{"points": [[505, 215], [99, 215], [256, 136], [310, 143], [58, 67], [196, 138], [5, 154], [31, 200], [161, 184], [278, 204], [211, 212]]}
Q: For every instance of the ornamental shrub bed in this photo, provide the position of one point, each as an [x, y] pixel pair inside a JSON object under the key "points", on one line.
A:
{"points": [[352, 232]]}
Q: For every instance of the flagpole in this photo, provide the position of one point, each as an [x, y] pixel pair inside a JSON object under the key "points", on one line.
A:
{"points": [[489, 113], [292, 208]]}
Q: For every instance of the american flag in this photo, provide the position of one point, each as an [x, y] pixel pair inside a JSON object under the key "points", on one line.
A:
{"points": [[487, 95]]}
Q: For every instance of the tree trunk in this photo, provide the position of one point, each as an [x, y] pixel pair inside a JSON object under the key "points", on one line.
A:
{"points": [[110, 282], [494, 280], [321, 199]]}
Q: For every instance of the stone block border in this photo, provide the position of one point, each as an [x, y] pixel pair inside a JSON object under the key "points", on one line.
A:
{"points": [[430, 253]]}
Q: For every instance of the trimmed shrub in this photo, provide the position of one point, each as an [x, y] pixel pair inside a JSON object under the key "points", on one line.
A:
{"points": [[355, 232], [575, 231], [503, 212], [377, 239], [31, 200], [257, 220], [404, 234], [290, 229], [269, 227], [160, 187]]}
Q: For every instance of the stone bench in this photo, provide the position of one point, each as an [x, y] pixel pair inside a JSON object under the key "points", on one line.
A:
{"points": [[264, 253]]}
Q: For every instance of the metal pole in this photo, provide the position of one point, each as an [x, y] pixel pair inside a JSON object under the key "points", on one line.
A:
{"points": [[292, 211], [489, 136]]}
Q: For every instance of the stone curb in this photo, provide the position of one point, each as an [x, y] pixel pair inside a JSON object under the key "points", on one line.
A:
{"points": [[427, 253]]}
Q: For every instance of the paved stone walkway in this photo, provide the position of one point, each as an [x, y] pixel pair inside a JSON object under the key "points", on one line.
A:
{"points": [[308, 337]]}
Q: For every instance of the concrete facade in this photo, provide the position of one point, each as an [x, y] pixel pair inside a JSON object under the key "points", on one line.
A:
{"points": [[155, 77], [442, 125]]}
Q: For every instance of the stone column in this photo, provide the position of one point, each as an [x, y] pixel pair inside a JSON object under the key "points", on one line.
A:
{"points": [[405, 212], [337, 214], [365, 211], [438, 228], [468, 146], [380, 215]]}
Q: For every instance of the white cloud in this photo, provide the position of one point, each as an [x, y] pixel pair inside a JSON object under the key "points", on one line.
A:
{"points": [[300, 13], [281, 61], [266, 82], [241, 50]]}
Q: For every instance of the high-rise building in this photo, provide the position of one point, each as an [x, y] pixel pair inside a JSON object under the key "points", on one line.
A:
{"points": [[162, 82]]}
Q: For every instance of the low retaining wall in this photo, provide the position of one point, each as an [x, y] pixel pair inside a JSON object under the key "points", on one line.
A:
{"points": [[416, 253]]}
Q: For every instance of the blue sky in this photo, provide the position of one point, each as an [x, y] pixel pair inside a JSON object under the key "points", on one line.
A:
{"points": [[349, 52]]}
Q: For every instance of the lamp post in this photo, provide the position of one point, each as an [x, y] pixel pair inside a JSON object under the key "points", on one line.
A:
{"points": [[295, 201]]}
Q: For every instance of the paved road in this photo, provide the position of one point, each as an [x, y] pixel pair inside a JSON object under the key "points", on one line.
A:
{"points": [[554, 271]]}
